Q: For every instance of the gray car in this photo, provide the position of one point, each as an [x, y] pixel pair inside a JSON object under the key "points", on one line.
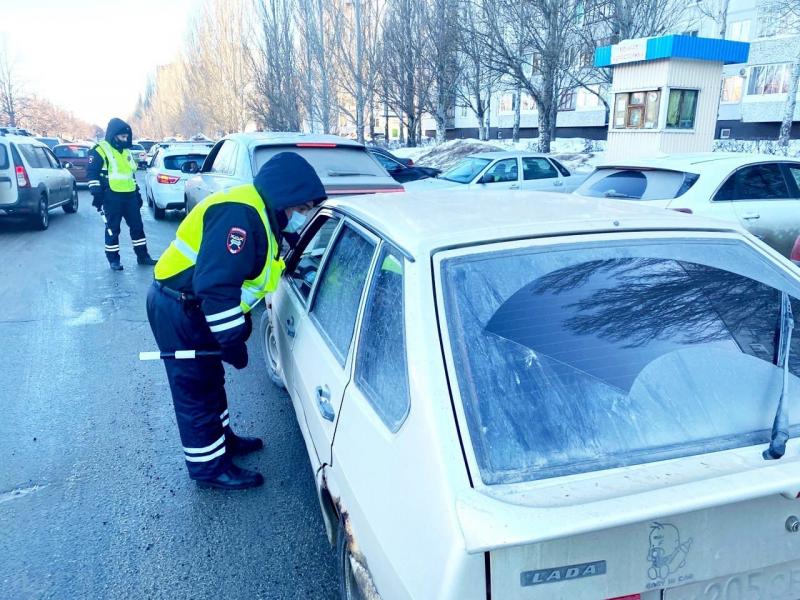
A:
{"points": [[344, 166], [33, 181]]}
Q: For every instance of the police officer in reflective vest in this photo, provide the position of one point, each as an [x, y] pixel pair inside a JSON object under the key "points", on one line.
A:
{"points": [[224, 259], [112, 183]]}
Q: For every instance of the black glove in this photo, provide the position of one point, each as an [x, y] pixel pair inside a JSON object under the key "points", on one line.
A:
{"points": [[235, 354], [97, 199]]}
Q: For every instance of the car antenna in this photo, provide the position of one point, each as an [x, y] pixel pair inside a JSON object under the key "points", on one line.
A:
{"points": [[780, 428]]}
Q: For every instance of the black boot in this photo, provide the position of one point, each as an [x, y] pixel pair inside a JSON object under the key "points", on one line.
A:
{"points": [[243, 445], [115, 265], [235, 478], [146, 260]]}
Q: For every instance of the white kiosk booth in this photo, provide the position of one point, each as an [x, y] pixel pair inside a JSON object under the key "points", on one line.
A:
{"points": [[665, 93]]}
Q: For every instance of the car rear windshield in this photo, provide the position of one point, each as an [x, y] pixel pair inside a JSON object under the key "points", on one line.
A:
{"points": [[339, 161], [587, 357], [176, 161], [466, 170], [4, 162], [637, 184], [137, 147], [71, 151]]}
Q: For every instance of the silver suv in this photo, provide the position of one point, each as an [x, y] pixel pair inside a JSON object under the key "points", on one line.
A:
{"points": [[345, 167], [33, 181]]}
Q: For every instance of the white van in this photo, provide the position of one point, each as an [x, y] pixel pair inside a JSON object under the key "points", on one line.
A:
{"points": [[33, 182]]}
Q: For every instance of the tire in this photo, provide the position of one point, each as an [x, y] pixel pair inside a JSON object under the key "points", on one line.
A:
{"points": [[150, 202], [348, 586], [270, 348], [41, 220], [72, 207], [159, 213]]}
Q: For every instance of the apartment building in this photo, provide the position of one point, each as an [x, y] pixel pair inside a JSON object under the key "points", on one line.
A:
{"points": [[751, 105]]}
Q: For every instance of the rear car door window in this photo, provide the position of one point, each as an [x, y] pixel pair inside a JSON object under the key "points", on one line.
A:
{"points": [[537, 168], [339, 291], [755, 182], [304, 268], [35, 160], [4, 162], [381, 370], [50, 158], [561, 168], [502, 171], [794, 173]]}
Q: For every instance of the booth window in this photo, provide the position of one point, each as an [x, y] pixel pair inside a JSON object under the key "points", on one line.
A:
{"points": [[636, 110], [681, 109]]}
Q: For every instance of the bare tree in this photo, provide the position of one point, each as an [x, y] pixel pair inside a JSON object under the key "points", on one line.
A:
{"points": [[788, 11], [717, 10], [543, 30], [403, 87], [12, 97], [275, 85], [313, 19]]}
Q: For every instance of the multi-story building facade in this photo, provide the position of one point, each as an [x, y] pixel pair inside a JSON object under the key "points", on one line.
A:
{"points": [[751, 104]]}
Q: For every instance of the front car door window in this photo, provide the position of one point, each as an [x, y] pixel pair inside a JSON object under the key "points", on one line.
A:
{"points": [[224, 160], [308, 261], [503, 171]]}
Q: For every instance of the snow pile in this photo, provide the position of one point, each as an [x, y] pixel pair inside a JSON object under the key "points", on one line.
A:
{"points": [[448, 154], [757, 147]]}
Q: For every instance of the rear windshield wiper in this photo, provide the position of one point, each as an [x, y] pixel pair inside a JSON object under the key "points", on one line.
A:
{"points": [[780, 428], [349, 174]]}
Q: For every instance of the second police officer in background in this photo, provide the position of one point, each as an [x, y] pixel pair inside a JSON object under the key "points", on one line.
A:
{"points": [[112, 183], [224, 259]]}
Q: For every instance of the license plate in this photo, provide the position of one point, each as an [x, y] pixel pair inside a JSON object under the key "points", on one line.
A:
{"points": [[778, 582]]}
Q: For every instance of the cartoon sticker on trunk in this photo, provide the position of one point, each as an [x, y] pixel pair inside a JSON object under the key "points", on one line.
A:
{"points": [[667, 553]]}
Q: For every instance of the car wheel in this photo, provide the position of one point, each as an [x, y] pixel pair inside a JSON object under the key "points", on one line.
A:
{"points": [[41, 220], [159, 213], [270, 346], [149, 200], [72, 207], [349, 588]]}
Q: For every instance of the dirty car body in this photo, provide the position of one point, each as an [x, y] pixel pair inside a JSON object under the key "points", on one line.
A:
{"points": [[559, 398]]}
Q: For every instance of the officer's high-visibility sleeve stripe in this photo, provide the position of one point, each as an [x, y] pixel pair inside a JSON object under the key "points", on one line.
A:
{"points": [[224, 414], [207, 458], [225, 422], [94, 183], [237, 310], [228, 325], [208, 448]]}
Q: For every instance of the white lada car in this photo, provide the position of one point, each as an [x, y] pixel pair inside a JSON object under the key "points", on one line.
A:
{"points": [[560, 399]]}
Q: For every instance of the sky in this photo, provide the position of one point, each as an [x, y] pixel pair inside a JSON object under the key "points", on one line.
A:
{"points": [[92, 57]]}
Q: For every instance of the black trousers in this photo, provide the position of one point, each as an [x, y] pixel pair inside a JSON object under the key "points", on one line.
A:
{"points": [[118, 206], [198, 386]]}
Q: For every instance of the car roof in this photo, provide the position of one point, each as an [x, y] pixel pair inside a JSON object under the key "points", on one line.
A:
{"points": [[288, 138], [172, 150], [23, 139], [495, 154], [81, 144], [421, 222], [696, 162]]}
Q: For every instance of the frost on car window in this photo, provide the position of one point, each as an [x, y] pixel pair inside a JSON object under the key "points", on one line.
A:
{"points": [[381, 370], [339, 293], [594, 357], [305, 271]]}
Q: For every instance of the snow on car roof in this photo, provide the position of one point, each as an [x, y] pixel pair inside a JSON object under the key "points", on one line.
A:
{"points": [[695, 162], [259, 138], [421, 222]]}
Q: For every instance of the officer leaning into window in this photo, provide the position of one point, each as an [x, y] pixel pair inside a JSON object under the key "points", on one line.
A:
{"points": [[112, 183], [224, 259]]}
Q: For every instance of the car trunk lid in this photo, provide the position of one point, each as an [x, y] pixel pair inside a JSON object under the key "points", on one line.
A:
{"points": [[8, 189], [639, 530]]}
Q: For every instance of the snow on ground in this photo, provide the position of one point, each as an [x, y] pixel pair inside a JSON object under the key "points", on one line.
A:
{"points": [[757, 147], [576, 153]]}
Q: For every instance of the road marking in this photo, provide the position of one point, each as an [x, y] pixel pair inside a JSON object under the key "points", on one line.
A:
{"points": [[19, 493]]}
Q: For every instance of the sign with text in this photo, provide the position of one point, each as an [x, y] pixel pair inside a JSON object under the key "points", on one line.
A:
{"points": [[629, 51]]}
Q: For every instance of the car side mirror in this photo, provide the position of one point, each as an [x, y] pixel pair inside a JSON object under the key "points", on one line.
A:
{"points": [[66, 165], [190, 167]]}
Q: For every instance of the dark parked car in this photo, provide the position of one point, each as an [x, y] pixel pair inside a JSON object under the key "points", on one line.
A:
{"points": [[399, 171], [77, 156], [384, 152], [50, 142]]}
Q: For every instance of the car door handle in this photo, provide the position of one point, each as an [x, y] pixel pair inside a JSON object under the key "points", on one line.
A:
{"points": [[558, 182], [290, 327], [324, 403], [751, 216], [514, 186]]}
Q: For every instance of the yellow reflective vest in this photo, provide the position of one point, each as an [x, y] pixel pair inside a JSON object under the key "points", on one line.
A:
{"points": [[119, 166], [182, 252]]}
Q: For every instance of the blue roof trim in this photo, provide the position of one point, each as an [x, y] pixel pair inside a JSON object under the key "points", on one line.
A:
{"points": [[687, 47]]}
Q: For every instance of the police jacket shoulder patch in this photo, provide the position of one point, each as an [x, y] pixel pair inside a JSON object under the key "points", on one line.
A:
{"points": [[236, 240]]}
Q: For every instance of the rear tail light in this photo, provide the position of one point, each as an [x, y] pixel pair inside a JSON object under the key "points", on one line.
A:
{"points": [[161, 178], [795, 255], [688, 211], [22, 177]]}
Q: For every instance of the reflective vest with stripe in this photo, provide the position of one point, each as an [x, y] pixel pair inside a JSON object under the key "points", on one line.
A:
{"points": [[182, 252], [119, 166]]}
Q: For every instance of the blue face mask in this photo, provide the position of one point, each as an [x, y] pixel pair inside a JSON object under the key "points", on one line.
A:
{"points": [[296, 222]]}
